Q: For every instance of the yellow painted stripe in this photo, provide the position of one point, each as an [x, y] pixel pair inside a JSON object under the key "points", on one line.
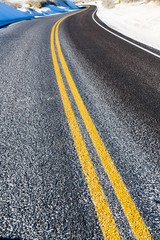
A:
{"points": [[106, 221], [135, 220]]}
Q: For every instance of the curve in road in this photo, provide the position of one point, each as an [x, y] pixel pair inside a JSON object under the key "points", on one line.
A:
{"points": [[43, 189]]}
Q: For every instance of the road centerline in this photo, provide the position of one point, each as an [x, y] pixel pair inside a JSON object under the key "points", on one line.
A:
{"points": [[104, 214], [135, 220]]}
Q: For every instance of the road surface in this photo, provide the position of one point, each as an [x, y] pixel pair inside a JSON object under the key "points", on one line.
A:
{"points": [[80, 111]]}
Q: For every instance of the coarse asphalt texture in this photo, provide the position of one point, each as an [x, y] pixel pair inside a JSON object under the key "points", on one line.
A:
{"points": [[43, 191]]}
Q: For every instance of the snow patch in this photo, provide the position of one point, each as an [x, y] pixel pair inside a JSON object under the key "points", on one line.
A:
{"points": [[10, 14]]}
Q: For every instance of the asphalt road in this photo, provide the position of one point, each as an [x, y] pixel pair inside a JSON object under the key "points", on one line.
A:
{"points": [[44, 192]]}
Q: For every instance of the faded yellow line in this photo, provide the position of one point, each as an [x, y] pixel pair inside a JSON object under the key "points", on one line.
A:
{"points": [[135, 220], [106, 220]]}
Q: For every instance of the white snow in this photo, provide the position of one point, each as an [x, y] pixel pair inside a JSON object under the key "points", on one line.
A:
{"points": [[10, 14], [138, 20]]}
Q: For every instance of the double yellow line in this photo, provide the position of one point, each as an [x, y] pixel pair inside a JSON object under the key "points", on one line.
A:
{"points": [[104, 214]]}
